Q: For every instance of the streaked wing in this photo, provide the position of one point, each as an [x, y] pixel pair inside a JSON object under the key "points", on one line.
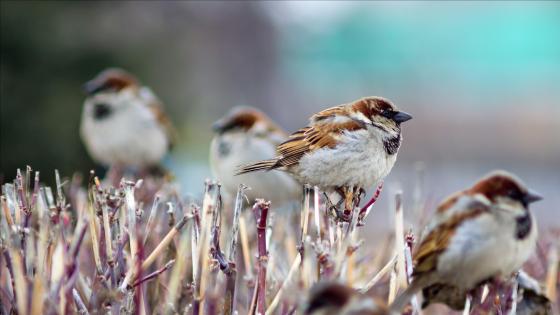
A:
{"points": [[324, 133], [329, 113], [438, 239]]}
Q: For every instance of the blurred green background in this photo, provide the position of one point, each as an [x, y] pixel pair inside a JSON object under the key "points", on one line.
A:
{"points": [[482, 80]]}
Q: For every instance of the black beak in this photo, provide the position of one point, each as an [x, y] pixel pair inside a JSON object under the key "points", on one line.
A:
{"points": [[401, 117], [531, 197]]}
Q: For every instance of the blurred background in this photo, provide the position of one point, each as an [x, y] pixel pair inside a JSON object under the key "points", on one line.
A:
{"points": [[482, 80]]}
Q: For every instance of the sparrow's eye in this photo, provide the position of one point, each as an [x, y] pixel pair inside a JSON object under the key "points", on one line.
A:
{"points": [[387, 113], [515, 195]]}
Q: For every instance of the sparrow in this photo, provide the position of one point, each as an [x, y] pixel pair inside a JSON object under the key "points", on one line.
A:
{"points": [[332, 298], [241, 136], [123, 122], [481, 233], [346, 148]]}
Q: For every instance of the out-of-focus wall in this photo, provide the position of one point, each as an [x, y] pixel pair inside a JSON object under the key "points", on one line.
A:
{"points": [[481, 80]]}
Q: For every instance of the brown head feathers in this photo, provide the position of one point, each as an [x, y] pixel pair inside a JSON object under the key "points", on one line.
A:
{"points": [[112, 79], [244, 118], [503, 184]]}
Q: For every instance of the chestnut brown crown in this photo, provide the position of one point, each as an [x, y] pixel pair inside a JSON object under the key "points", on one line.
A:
{"points": [[501, 184], [112, 79], [243, 118], [380, 109]]}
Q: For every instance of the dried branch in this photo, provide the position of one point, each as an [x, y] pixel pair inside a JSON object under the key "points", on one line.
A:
{"points": [[154, 274], [260, 210], [231, 274], [390, 265], [399, 241]]}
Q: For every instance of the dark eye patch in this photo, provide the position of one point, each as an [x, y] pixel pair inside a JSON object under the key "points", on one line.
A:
{"points": [[388, 113]]}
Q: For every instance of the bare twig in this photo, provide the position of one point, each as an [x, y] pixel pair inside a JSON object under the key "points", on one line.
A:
{"points": [[200, 267], [552, 273], [287, 281], [154, 274], [389, 266], [399, 241], [150, 223], [260, 210], [82, 309], [229, 298]]}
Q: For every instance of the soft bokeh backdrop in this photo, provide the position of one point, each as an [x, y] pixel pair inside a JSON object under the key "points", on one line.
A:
{"points": [[481, 79]]}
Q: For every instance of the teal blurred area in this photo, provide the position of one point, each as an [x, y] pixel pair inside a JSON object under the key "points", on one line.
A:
{"points": [[481, 79]]}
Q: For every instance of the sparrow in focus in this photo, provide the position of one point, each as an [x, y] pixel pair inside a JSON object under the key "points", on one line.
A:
{"points": [[244, 135], [346, 148], [484, 232], [338, 299], [123, 122]]}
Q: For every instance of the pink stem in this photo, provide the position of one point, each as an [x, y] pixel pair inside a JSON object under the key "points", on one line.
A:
{"points": [[363, 212]]}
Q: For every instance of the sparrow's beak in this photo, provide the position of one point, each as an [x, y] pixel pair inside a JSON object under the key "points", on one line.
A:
{"points": [[92, 87], [532, 196], [401, 117]]}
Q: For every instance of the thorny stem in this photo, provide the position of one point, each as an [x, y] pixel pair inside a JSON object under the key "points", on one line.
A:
{"points": [[260, 210]]}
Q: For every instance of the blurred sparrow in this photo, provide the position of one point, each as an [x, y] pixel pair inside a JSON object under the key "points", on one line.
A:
{"points": [[478, 234], [244, 135], [338, 299], [530, 299], [123, 123], [346, 148]]}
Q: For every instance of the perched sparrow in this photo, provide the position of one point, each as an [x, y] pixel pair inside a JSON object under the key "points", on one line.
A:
{"points": [[483, 232], [123, 123], [346, 148], [338, 299], [244, 135]]}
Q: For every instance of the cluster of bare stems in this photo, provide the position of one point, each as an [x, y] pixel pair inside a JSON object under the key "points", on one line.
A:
{"points": [[118, 250]]}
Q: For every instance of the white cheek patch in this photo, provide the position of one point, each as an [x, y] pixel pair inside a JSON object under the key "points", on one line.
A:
{"points": [[360, 116], [510, 205]]}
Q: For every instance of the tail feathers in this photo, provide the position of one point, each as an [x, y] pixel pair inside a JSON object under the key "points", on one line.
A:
{"points": [[402, 300], [265, 165]]}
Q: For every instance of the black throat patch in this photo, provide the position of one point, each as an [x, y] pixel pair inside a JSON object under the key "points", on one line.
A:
{"points": [[392, 145], [523, 227]]}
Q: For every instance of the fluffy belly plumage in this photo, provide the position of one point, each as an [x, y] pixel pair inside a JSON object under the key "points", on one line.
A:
{"points": [[348, 165]]}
